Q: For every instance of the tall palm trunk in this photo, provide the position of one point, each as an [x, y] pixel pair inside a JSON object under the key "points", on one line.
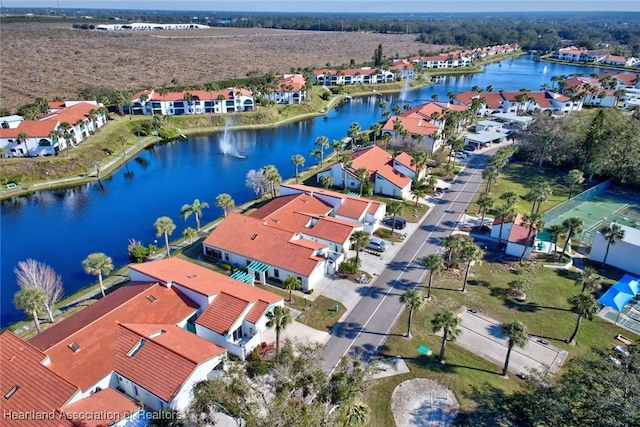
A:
{"points": [[606, 253], [409, 323], [466, 275], [575, 331], [444, 344], [166, 243], [566, 244], [34, 313], [526, 244], [500, 235], [100, 282], [429, 287], [277, 341], [506, 361]]}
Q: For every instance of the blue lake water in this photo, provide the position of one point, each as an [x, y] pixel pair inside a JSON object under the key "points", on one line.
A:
{"points": [[61, 227]]}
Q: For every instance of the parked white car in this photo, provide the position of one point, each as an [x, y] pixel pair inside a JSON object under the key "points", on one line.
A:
{"points": [[621, 350], [610, 358]]}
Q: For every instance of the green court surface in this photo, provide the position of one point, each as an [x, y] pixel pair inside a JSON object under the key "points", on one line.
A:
{"points": [[601, 210]]}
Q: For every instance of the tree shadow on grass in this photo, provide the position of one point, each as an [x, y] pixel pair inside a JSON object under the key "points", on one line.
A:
{"points": [[476, 282], [493, 407]]}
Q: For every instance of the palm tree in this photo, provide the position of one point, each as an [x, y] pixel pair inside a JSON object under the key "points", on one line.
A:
{"points": [[65, 127], [435, 264], [588, 279], [354, 413], [363, 176], [298, 161], [23, 137], [510, 197], [435, 96], [194, 209], [376, 129], [225, 202], [574, 177], [505, 213], [532, 222], [395, 208], [471, 253], [211, 87], [491, 175], [413, 300], [449, 322], [453, 243], [163, 91], [419, 192], [291, 283], [318, 154], [537, 195], [326, 181], [557, 231], [517, 333], [572, 225], [583, 305], [484, 202], [359, 239], [98, 264], [190, 234], [279, 318], [611, 233], [32, 301], [164, 226], [322, 142], [354, 131]]}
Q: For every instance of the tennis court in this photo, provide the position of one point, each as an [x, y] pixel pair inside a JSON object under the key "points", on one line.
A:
{"points": [[597, 209], [629, 316]]}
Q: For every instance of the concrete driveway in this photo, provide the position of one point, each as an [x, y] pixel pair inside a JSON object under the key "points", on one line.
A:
{"points": [[481, 335]]}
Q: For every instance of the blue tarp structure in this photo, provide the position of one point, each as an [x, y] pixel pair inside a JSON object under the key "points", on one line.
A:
{"points": [[628, 284], [621, 293]]}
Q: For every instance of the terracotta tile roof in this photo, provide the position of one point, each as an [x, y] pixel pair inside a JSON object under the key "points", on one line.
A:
{"points": [[71, 115], [251, 238], [202, 95], [178, 340], [378, 161], [33, 128], [373, 205], [201, 279], [222, 313], [416, 126], [56, 104], [518, 219], [296, 81], [151, 365], [402, 65], [97, 340], [628, 79], [329, 228], [353, 208], [518, 234], [393, 176], [39, 389], [616, 58], [256, 312], [67, 327], [346, 72], [280, 213], [114, 405], [406, 160]]}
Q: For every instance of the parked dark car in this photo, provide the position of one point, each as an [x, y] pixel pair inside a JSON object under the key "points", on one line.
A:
{"points": [[399, 225], [470, 147]]}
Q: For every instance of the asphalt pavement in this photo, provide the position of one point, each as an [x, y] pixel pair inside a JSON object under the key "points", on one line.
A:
{"points": [[362, 333]]}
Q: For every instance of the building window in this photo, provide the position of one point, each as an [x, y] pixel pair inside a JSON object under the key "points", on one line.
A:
{"points": [[226, 256], [237, 334], [276, 273]]}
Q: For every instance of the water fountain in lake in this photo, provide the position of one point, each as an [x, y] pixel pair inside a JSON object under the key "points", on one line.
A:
{"points": [[228, 145], [544, 70], [405, 89]]}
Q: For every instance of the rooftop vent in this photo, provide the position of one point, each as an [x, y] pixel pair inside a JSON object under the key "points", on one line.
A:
{"points": [[74, 346], [276, 220], [191, 276], [12, 391], [151, 298], [254, 237]]}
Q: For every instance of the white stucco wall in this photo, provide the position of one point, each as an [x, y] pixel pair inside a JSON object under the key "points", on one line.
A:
{"points": [[515, 250], [382, 186], [506, 229], [622, 255]]}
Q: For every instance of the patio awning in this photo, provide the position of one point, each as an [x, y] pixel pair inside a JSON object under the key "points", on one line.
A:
{"points": [[628, 284], [258, 266], [243, 277], [615, 298]]}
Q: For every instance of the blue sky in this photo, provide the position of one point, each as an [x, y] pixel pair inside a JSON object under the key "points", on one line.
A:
{"points": [[340, 6]]}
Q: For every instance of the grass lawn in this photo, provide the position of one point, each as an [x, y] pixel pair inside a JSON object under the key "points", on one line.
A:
{"points": [[317, 316], [546, 313], [520, 178]]}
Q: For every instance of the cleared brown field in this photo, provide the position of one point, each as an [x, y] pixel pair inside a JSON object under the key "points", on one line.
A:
{"points": [[48, 60]]}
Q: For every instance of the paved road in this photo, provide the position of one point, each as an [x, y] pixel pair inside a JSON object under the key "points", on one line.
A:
{"points": [[366, 328]]}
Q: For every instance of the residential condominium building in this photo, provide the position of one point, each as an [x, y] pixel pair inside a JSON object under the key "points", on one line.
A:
{"points": [[66, 123], [142, 347], [352, 76], [304, 233], [289, 90], [230, 100], [522, 102]]}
